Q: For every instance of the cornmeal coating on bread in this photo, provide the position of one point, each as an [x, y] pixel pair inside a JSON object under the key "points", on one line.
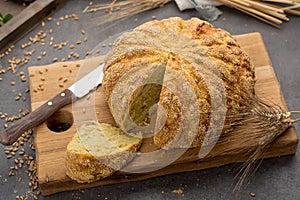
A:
{"points": [[207, 58], [98, 150]]}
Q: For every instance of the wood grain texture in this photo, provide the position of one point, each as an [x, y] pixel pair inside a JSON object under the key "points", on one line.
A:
{"points": [[36, 117], [26, 20], [51, 146]]}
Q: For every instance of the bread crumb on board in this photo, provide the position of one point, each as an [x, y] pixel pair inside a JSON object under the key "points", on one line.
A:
{"points": [[178, 191]]}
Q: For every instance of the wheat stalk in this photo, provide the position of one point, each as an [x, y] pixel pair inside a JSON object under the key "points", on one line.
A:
{"points": [[258, 125], [122, 9], [263, 10], [266, 12]]}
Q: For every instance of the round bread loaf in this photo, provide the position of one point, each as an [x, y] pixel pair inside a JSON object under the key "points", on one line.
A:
{"points": [[206, 79]]}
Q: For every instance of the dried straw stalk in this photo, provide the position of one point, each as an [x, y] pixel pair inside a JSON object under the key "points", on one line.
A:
{"points": [[122, 9], [262, 10], [259, 125], [266, 12]]}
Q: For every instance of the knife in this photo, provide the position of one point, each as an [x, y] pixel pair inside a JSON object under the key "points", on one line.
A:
{"points": [[76, 91]]}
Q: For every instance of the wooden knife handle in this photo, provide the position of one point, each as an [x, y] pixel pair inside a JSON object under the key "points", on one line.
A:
{"points": [[35, 118]]}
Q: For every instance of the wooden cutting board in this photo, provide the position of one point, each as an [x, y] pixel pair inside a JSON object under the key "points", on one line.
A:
{"points": [[51, 145]]}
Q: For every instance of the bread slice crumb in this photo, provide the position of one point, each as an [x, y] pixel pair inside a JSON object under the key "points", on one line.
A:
{"points": [[98, 150]]}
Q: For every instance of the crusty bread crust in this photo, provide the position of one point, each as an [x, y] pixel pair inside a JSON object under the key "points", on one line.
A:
{"points": [[194, 44], [83, 167]]}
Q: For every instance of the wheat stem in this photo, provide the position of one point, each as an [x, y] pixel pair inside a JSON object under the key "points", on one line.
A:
{"points": [[295, 112], [291, 7], [260, 9], [295, 120]]}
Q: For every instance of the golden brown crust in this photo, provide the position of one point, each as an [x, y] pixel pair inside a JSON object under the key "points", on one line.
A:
{"points": [[86, 168], [124, 64], [193, 48]]}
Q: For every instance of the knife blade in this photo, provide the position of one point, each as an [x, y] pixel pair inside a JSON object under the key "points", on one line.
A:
{"points": [[76, 91]]}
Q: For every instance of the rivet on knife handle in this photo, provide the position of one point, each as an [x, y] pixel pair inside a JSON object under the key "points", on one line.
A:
{"points": [[38, 116]]}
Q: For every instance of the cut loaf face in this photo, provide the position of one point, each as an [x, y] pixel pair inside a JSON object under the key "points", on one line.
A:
{"points": [[206, 78], [97, 150]]}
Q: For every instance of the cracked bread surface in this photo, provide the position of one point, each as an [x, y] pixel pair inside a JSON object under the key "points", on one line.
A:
{"points": [[207, 58]]}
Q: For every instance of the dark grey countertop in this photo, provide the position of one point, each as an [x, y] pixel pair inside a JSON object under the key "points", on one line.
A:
{"points": [[276, 178]]}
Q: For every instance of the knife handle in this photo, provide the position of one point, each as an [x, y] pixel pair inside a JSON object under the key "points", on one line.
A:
{"points": [[36, 117]]}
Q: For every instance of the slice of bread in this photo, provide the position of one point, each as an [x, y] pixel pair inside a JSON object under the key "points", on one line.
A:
{"points": [[97, 150]]}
